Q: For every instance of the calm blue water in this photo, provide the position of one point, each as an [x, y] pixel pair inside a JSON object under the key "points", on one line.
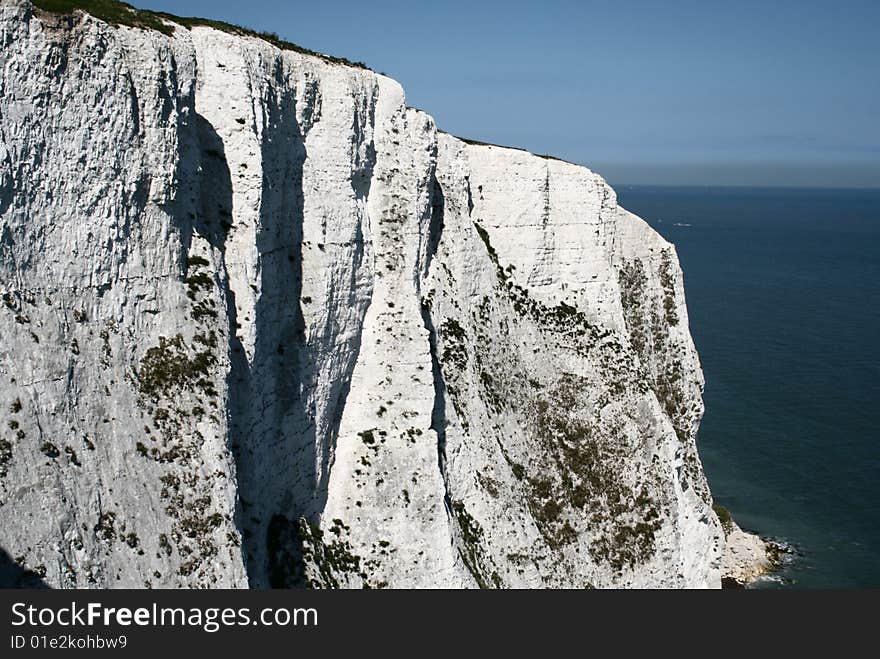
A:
{"points": [[783, 291]]}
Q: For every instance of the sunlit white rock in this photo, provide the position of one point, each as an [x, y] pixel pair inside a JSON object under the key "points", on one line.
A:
{"points": [[464, 365]]}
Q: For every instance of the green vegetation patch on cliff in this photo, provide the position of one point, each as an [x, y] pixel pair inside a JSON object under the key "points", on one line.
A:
{"points": [[724, 517], [470, 545], [168, 367], [329, 564], [567, 322], [650, 316], [5, 456], [582, 475], [589, 457], [667, 281], [177, 382]]}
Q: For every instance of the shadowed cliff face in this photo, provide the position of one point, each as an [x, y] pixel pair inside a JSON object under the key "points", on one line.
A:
{"points": [[13, 575], [276, 443], [268, 327]]}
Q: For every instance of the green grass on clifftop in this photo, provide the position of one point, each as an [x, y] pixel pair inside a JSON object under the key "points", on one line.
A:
{"points": [[120, 13], [109, 11]]}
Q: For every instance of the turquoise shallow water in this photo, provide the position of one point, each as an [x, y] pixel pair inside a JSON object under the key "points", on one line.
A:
{"points": [[783, 291]]}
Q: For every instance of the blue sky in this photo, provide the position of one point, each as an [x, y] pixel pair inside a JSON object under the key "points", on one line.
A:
{"points": [[736, 93]]}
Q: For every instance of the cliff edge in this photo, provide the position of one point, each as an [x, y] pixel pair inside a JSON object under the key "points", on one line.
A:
{"points": [[265, 325]]}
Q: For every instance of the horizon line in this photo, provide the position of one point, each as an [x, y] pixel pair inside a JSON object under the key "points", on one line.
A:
{"points": [[743, 186]]}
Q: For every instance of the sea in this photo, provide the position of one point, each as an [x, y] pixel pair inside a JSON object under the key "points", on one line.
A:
{"points": [[783, 294]]}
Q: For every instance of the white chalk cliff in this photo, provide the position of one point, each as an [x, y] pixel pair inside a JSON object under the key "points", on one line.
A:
{"points": [[263, 325]]}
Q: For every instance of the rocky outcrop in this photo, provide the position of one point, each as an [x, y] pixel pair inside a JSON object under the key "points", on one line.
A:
{"points": [[748, 557], [264, 325], [745, 556]]}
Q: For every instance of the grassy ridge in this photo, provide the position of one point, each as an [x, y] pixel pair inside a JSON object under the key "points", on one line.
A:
{"points": [[120, 13], [502, 146]]}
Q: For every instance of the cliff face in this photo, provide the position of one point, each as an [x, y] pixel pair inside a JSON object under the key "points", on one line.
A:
{"points": [[263, 324]]}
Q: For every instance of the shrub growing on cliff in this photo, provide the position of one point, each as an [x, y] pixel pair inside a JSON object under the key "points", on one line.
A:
{"points": [[724, 517], [5, 456], [168, 367]]}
